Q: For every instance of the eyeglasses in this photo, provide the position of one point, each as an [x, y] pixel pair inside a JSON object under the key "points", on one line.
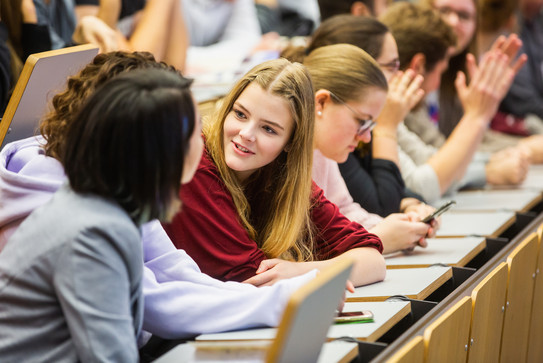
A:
{"points": [[392, 66], [463, 16], [366, 124]]}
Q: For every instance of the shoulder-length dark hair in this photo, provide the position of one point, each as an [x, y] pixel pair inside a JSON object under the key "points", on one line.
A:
{"points": [[129, 140]]}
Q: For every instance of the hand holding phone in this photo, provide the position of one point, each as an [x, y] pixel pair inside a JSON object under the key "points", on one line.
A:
{"points": [[364, 316], [445, 207]]}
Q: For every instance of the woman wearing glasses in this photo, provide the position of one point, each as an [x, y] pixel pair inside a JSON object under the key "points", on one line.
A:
{"points": [[372, 172], [346, 106], [252, 212], [376, 185]]}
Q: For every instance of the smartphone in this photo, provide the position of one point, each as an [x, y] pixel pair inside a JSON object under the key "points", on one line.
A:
{"points": [[445, 207], [364, 316]]}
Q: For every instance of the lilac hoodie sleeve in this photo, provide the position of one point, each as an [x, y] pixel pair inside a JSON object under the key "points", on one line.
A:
{"points": [[180, 301]]}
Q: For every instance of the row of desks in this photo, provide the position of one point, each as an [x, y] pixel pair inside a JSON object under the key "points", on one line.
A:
{"points": [[477, 217]]}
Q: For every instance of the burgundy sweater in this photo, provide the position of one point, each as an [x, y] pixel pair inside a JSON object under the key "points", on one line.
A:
{"points": [[208, 228]]}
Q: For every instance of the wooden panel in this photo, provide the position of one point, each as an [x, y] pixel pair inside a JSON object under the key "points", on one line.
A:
{"points": [[488, 302], [520, 288], [43, 75], [446, 339], [412, 352], [535, 347]]}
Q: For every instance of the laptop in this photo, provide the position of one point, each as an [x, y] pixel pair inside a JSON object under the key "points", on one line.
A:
{"points": [[298, 338], [44, 75]]}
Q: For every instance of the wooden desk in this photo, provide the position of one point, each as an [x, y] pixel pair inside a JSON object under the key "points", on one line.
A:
{"points": [[449, 251], [494, 200], [415, 283], [462, 224], [386, 315], [333, 352]]}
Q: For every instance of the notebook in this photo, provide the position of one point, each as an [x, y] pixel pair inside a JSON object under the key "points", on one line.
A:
{"points": [[44, 75]]}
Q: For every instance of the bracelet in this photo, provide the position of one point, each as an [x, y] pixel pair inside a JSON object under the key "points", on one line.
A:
{"points": [[380, 133]]}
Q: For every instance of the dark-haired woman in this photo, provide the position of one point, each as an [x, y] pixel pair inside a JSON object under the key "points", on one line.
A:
{"points": [[70, 276]]}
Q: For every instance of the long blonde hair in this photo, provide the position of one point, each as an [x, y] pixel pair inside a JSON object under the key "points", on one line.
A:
{"points": [[281, 226]]}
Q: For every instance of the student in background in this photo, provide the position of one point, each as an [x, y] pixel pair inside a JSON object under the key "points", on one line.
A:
{"points": [[372, 172], [155, 26], [499, 18], [37, 26], [24, 36], [461, 16], [222, 34], [30, 172], [329, 8], [252, 208], [354, 96], [424, 41], [526, 94], [71, 275]]}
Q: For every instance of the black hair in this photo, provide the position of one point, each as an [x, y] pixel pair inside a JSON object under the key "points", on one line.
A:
{"points": [[329, 8], [129, 140]]}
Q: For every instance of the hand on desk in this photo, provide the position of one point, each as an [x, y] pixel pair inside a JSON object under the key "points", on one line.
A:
{"points": [[271, 271], [275, 269], [533, 147], [401, 231], [508, 166]]}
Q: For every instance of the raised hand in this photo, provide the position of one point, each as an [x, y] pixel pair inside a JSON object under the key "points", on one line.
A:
{"points": [[404, 93], [491, 80]]}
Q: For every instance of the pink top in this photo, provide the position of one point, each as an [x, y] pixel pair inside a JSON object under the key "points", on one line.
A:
{"points": [[327, 176]]}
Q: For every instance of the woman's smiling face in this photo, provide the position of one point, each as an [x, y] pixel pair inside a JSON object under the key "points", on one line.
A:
{"points": [[256, 130]]}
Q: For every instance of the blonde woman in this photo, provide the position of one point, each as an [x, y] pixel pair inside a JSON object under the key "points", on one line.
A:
{"points": [[253, 199], [350, 93]]}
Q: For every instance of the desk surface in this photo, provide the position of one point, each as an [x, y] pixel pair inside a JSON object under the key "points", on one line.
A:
{"points": [[487, 224], [333, 352], [449, 251], [494, 200], [386, 315], [415, 283]]}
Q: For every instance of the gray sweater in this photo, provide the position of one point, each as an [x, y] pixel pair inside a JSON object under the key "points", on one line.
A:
{"points": [[70, 284]]}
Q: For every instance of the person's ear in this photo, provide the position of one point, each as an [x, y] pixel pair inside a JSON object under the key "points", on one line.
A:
{"points": [[358, 8], [321, 97], [418, 63]]}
